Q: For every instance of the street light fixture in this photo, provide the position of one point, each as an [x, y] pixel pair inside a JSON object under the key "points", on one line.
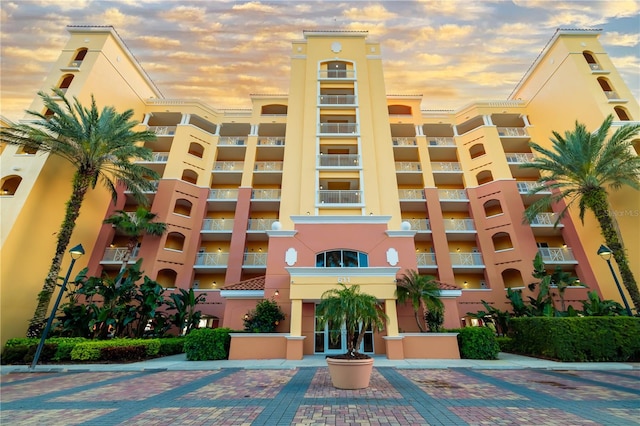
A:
{"points": [[606, 253], [76, 252]]}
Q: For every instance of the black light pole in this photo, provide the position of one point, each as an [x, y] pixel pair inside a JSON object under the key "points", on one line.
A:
{"points": [[605, 253], [76, 252]]}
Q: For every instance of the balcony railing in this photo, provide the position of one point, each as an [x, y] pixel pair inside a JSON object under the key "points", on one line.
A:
{"points": [[223, 194], [255, 259], [411, 194], [404, 141], [408, 166], [268, 166], [336, 74], [154, 184], [466, 259], [426, 259], [232, 140], [217, 225], [419, 224], [595, 67], [220, 259], [520, 157], [525, 186], [611, 94], [442, 141], [265, 194], [163, 130], [339, 160], [338, 128], [556, 255], [228, 166], [512, 131], [449, 166], [337, 100], [452, 194], [339, 197], [459, 225], [544, 219], [117, 254], [260, 224], [271, 141]]}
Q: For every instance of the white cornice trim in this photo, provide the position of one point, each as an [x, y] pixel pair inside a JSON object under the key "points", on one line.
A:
{"points": [[319, 220]]}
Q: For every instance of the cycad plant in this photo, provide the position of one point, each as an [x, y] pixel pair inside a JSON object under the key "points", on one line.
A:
{"points": [[100, 145], [579, 168]]}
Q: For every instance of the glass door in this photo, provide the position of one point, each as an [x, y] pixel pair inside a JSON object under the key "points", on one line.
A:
{"points": [[331, 339]]}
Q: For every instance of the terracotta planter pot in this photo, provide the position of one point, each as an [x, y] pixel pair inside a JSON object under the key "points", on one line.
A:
{"points": [[350, 373]]}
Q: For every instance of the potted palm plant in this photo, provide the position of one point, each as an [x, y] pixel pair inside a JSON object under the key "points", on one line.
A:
{"points": [[357, 311]]}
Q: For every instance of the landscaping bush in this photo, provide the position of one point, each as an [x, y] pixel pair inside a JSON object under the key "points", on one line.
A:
{"points": [[14, 354], [171, 346], [207, 344], [477, 343], [47, 354], [91, 350], [123, 353], [505, 344], [578, 339]]}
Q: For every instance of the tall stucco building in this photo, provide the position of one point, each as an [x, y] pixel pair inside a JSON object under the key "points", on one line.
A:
{"points": [[335, 182]]}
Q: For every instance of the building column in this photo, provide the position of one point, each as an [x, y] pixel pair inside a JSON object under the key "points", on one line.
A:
{"points": [[296, 318], [487, 120], [455, 130], [147, 117], [525, 118], [419, 131], [218, 127], [185, 119]]}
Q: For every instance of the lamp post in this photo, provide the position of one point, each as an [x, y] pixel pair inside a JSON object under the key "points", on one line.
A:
{"points": [[605, 253], [76, 252]]}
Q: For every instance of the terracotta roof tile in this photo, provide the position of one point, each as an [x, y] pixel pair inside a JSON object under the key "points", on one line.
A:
{"points": [[445, 286], [256, 283]]}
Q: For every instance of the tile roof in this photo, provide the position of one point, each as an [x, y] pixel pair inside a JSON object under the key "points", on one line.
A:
{"points": [[445, 286], [256, 283]]}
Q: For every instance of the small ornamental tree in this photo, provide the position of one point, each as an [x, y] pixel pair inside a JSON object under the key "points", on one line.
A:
{"points": [[264, 318]]}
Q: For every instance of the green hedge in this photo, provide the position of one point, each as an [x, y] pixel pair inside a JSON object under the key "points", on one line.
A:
{"points": [[171, 346], [92, 350], [578, 339], [477, 343], [22, 350], [207, 344]]}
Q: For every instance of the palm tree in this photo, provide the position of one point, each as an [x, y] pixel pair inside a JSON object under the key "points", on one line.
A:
{"points": [[135, 225], [100, 145], [579, 167], [422, 291]]}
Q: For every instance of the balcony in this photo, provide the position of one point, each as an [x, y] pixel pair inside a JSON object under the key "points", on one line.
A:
{"points": [[520, 157], [525, 186], [271, 141], [336, 74], [228, 166], [232, 141], [216, 229], [325, 100], [265, 199], [426, 261], [254, 261], [512, 132], [408, 166], [153, 190], [117, 255], [543, 225], [470, 262], [411, 194], [441, 141], [455, 225], [257, 229], [222, 199], [404, 141], [268, 166], [338, 161], [557, 255], [420, 225], [341, 197], [163, 130], [448, 166], [338, 128], [211, 261]]}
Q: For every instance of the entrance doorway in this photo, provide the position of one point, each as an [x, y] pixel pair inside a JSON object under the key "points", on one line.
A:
{"points": [[332, 339]]}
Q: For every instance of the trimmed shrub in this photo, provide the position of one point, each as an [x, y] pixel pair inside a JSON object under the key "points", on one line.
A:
{"points": [[123, 353], [91, 350], [578, 339], [477, 343], [14, 354], [171, 346], [505, 344], [207, 344]]}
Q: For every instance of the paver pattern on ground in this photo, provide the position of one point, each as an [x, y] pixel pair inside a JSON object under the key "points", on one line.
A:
{"points": [[305, 396]]}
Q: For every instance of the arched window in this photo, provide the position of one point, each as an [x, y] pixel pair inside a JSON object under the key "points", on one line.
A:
{"points": [[10, 185], [182, 207], [492, 208], [175, 241], [274, 109], [66, 82], [512, 278], [26, 150], [477, 150], [336, 69], [622, 113], [196, 149], [399, 110], [501, 241], [607, 88], [79, 57], [342, 259], [591, 60], [484, 176], [190, 176], [167, 278]]}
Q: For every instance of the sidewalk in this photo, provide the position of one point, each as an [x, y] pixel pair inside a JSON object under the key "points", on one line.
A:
{"points": [[179, 362]]}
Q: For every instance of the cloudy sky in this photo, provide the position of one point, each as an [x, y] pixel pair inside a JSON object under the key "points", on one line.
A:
{"points": [[451, 51]]}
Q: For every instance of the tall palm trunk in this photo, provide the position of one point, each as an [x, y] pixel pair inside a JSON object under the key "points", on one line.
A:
{"points": [[598, 204], [81, 183]]}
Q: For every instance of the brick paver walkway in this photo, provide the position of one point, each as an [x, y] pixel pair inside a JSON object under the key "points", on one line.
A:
{"points": [[304, 396]]}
